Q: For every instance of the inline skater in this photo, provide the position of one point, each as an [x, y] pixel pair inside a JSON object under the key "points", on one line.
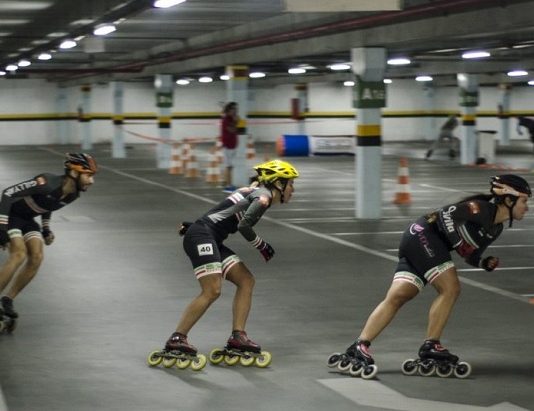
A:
{"points": [[468, 227], [22, 235], [213, 261]]}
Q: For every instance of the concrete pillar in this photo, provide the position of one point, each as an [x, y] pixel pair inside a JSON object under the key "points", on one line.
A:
{"points": [[302, 98], [370, 96], [61, 110], [84, 117], [164, 98], [118, 150], [430, 130], [468, 85], [504, 113], [237, 90]]}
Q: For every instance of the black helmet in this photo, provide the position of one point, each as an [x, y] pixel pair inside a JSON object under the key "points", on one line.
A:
{"points": [[510, 185], [80, 162]]}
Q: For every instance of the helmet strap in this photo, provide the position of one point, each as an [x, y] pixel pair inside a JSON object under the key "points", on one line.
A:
{"points": [[510, 209], [281, 189]]}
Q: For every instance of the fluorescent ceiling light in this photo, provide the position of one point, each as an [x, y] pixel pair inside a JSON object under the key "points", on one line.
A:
{"points": [[56, 34], [2, 73], [24, 5], [11, 67], [531, 83], [163, 4], [205, 79], [399, 61], [296, 70], [182, 82], [24, 49], [4, 34], [224, 77], [478, 54], [517, 73], [67, 44], [24, 63], [348, 83], [104, 29], [44, 56], [256, 74], [339, 66], [423, 78], [13, 22], [37, 42], [388, 81]]}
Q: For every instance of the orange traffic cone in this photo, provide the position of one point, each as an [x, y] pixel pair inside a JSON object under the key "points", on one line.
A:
{"points": [[176, 166], [251, 151], [191, 169], [403, 196], [219, 155], [212, 172]]}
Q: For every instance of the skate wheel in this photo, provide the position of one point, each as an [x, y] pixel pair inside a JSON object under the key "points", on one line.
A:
{"points": [[426, 369], [409, 367], [334, 360], [216, 356], [154, 358], [444, 370], [355, 370], [264, 359], [369, 372], [344, 364], [181, 363], [199, 362], [231, 359], [247, 360], [462, 370], [168, 362]]}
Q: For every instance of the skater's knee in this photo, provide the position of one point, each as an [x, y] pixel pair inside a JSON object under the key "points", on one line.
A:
{"points": [[18, 256], [35, 259], [247, 282], [451, 292], [212, 293]]}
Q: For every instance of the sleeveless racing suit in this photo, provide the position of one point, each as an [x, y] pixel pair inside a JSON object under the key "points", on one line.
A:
{"points": [[424, 250]]}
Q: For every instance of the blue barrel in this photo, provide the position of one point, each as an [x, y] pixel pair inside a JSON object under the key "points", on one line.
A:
{"points": [[293, 145]]}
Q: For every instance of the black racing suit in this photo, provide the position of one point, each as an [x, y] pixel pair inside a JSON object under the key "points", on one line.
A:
{"points": [[24, 201], [424, 250], [240, 211]]}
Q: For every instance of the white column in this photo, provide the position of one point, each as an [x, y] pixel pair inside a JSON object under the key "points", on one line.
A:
{"points": [[118, 150]]}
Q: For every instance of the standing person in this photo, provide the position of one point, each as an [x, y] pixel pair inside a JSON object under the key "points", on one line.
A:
{"points": [[468, 227], [528, 123], [22, 235], [446, 135], [229, 122], [213, 261]]}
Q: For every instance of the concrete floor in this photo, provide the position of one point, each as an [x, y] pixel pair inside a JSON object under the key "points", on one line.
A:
{"points": [[116, 280]]}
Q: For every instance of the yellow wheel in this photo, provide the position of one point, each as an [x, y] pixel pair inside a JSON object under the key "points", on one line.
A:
{"points": [[247, 361], [231, 359], [264, 359], [198, 363], [216, 357], [169, 362], [154, 359], [183, 363]]}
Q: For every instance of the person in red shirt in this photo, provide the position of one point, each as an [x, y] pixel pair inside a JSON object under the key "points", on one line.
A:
{"points": [[229, 141]]}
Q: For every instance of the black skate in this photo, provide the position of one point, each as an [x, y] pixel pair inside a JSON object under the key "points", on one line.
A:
{"points": [[241, 349], [356, 360], [434, 359], [178, 352], [8, 316]]}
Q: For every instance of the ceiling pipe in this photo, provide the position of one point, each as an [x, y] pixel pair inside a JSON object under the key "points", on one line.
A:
{"points": [[438, 8]]}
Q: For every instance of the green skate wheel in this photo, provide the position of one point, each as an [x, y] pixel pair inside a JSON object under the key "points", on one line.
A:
{"points": [[216, 356], [264, 359], [154, 359], [199, 362]]}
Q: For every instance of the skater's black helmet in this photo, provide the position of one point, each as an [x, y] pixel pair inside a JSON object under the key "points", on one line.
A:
{"points": [[510, 185], [81, 162]]}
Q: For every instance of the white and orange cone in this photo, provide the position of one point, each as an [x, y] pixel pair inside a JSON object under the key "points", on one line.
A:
{"points": [[191, 169], [251, 151], [403, 195], [213, 175], [176, 166]]}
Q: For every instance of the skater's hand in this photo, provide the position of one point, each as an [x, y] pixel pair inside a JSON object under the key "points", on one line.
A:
{"points": [[490, 263], [4, 239], [183, 228], [465, 249], [48, 236], [266, 250]]}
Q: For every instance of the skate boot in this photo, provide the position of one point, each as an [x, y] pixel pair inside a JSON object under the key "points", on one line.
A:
{"points": [[8, 316], [240, 348], [435, 359], [178, 352], [7, 307], [356, 360]]}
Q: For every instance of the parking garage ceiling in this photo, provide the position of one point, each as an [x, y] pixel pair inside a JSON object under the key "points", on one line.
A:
{"points": [[201, 37]]}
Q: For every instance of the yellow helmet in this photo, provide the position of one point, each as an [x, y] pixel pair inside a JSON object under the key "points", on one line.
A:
{"points": [[274, 170]]}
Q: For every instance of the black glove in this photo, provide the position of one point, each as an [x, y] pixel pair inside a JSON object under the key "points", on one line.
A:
{"points": [[4, 238], [48, 236], [465, 249], [266, 250], [490, 263], [183, 228]]}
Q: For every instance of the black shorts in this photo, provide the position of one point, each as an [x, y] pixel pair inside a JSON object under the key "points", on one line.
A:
{"points": [[423, 255], [25, 227], [206, 254]]}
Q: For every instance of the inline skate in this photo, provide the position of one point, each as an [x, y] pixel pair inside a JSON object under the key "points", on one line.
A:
{"points": [[241, 349], [178, 352], [356, 360], [434, 359], [8, 316]]}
